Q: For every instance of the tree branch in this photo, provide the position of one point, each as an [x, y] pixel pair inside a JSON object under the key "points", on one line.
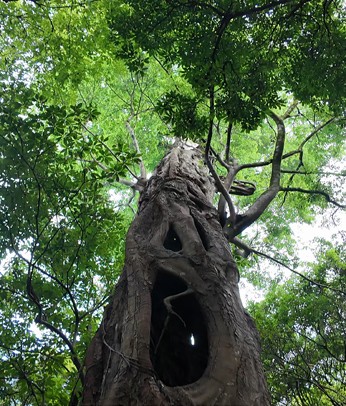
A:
{"points": [[315, 131], [313, 192], [228, 142], [135, 143], [247, 250], [220, 187], [131, 130], [254, 212], [127, 182], [297, 172], [194, 3], [300, 150], [229, 16], [288, 154], [40, 319], [290, 109]]}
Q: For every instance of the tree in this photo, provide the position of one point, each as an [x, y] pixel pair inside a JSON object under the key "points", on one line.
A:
{"points": [[178, 288], [240, 80], [50, 228], [196, 36], [302, 337]]}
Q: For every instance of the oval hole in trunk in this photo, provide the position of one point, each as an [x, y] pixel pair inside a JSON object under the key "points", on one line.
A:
{"points": [[172, 241], [179, 342]]}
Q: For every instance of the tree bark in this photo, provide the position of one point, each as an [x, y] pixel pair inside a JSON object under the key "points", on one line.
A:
{"points": [[175, 332]]}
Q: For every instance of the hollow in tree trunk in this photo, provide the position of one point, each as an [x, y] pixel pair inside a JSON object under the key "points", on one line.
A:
{"points": [[175, 332]]}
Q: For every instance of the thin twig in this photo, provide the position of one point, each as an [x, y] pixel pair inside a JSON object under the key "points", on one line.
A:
{"points": [[247, 250], [321, 285], [313, 192]]}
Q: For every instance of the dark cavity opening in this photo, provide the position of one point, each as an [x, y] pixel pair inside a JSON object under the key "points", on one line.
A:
{"points": [[179, 342], [172, 241]]}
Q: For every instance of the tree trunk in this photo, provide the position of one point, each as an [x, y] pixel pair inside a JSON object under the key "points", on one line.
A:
{"points": [[175, 332]]}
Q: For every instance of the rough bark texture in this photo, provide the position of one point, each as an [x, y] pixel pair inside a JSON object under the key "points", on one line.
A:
{"points": [[175, 332]]}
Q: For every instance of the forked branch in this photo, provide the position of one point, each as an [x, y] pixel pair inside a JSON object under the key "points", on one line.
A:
{"points": [[297, 151], [254, 212], [169, 307]]}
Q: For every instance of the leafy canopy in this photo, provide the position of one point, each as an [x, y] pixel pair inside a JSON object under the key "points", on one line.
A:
{"points": [[91, 92], [248, 51]]}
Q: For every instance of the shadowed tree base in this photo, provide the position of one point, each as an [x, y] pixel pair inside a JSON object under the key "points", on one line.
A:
{"points": [[175, 332]]}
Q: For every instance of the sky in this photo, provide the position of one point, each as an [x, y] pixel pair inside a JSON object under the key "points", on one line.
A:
{"points": [[330, 226]]}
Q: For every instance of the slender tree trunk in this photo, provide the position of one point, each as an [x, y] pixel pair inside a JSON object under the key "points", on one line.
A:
{"points": [[175, 332]]}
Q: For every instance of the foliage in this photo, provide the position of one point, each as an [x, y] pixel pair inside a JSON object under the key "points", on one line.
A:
{"points": [[87, 100], [302, 328], [57, 220], [249, 51]]}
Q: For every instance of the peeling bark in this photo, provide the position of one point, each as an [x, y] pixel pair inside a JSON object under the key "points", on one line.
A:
{"points": [[175, 332]]}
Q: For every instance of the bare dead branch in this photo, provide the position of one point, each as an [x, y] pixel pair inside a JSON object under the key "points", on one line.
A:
{"points": [[168, 304]]}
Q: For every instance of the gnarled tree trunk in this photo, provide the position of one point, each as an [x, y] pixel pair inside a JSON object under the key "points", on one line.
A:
{"points": [[175, 332]]}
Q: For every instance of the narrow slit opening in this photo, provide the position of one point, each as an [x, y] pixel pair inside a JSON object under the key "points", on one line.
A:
{"points": [[202, 234]]}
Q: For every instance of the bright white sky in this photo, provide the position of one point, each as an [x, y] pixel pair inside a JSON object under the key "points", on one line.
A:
{"points": [[327, 226]]}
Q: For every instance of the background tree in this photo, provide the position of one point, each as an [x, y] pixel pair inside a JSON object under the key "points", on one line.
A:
{"points": [[303, 339], [206, 71]]}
